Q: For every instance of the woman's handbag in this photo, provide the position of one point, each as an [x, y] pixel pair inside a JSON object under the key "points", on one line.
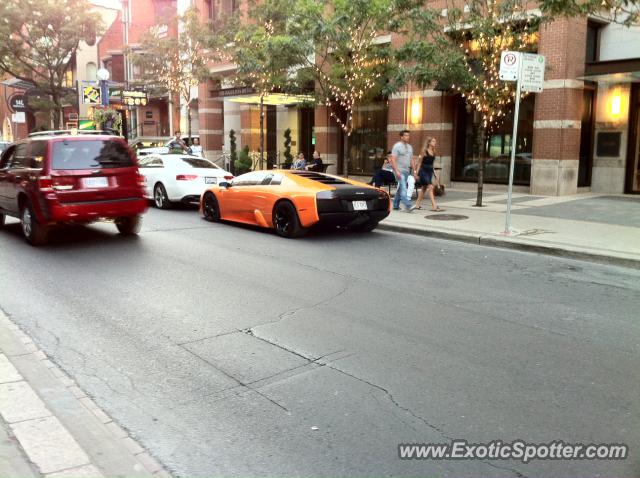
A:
{"points": [[438, 189]]}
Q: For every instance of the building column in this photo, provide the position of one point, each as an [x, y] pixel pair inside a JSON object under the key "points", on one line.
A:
{"points": [[558, 110], [328, 137], [211, 119], [426, 114]]}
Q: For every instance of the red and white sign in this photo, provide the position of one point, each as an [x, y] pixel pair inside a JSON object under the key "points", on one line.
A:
{"points": [[509, 64]]}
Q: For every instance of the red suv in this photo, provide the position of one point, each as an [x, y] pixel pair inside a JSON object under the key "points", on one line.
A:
{"points": [[57, 178]]}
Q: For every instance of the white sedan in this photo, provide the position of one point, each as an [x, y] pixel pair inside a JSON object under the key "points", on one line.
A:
{"points": [[178, 177]]}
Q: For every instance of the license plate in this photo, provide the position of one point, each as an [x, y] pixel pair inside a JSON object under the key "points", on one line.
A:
{"points": [[101, 182], [359, 205], [210, 180]]}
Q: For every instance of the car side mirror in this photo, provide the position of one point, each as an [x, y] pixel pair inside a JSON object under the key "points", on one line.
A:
{"points": [[224, 184]]}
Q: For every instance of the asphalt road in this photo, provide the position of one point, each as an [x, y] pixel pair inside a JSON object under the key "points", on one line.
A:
{"points": [[230, 351]]}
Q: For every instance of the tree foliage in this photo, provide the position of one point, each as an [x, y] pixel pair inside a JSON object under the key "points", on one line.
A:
{"points": [[39, 42], [481, 32]]}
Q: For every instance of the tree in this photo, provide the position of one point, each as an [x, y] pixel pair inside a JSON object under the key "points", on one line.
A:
{"points": [[481, 30], [349, 66], [175, 64], [264, 49], [39, 42], [244, 162], [233, 150], [288, 157]]}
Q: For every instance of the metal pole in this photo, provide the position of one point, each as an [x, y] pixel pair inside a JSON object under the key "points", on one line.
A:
{"points": [[507, 228]]}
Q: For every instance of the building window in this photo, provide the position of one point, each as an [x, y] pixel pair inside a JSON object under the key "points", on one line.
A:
{"points": [[593, 42], [68, 79], [90, 71], [496, 148], [368, 141]]}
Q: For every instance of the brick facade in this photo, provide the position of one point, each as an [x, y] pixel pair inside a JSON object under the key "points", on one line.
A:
{"points": [[556, 119]]}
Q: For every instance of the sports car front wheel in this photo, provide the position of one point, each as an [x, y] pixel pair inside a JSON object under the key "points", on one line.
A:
{"points": [[286, 221], [210, 208]]}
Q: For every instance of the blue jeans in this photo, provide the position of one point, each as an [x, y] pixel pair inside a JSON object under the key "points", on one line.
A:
{"points": [[401, 193]]}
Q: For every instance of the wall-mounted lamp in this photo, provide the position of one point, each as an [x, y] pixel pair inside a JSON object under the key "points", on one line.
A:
{"points": [[616, 104], [415, 112]]}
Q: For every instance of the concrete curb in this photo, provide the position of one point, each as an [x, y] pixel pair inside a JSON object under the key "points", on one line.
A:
{"points": [[61, 431], [515, 244]]}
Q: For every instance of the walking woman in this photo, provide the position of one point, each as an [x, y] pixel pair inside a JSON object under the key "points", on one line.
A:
{"points": [[425, 174]]}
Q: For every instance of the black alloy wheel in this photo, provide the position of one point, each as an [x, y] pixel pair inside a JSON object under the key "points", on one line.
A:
{"points": [[160, 198], [286, 221], [210, 208]]}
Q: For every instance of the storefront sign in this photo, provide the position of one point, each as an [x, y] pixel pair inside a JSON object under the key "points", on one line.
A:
{"points": [[17, 103], [91, 95], [244, 90], [19, 117], [134, 98], [608, 144]]}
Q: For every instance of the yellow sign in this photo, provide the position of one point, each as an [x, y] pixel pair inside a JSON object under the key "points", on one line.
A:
{"points": [[91, 95]]}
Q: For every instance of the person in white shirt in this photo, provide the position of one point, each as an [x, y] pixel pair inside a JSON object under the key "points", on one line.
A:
{"points": [[196, 149]]}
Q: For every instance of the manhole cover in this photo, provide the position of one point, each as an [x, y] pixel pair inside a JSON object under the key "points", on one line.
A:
{"points": [[446, 217]]}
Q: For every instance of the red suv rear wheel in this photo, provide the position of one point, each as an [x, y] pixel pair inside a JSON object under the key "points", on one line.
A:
{"points": [[35, 233]]}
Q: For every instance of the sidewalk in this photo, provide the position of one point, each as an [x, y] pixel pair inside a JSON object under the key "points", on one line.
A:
{"points": [[50, 428], [594, 227]]}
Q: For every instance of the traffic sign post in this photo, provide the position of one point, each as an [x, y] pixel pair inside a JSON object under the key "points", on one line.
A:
{"points": [[527, 70]]}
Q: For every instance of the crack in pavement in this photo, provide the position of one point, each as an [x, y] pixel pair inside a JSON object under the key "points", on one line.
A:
{"points": [[295, 310], [386, 393], [232, 377]]}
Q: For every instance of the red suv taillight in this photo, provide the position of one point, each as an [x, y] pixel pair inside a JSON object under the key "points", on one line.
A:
{"points": [[44, 183], [141, 180], [186, 177], [228, 177], [62, 183]]}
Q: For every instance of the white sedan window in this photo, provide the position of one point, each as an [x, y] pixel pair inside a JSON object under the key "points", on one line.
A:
{"points": [[198, 162]]}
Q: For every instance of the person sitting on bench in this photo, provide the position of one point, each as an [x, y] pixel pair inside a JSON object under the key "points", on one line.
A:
{"points": [[383, 175], [316, 163]]}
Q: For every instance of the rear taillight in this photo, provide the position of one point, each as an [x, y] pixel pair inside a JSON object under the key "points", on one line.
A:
{"points": [[62, 183], [141, 180], [186, 177], [228, 177], [44, 183]]}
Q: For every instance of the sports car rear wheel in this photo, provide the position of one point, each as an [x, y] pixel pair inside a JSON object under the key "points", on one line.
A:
{"points": [[210, 208], [286, 221]]}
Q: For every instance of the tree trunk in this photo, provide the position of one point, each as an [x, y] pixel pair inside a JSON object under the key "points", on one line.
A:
{"points": [[261, 130], [480, 138], [57, 113], [189, 124], [345, 154]]}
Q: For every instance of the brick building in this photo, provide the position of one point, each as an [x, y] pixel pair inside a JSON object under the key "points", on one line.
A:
{"points": [[159, 117], [581, 133]]}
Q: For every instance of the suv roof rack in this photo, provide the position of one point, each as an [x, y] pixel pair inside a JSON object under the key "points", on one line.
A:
{"points": [[59, 132]]}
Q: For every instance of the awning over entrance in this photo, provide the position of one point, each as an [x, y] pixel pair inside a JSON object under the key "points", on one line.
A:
{"points": [[273, 99], [617, 71]]}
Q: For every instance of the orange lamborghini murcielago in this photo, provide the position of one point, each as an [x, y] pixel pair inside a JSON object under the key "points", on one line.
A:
{"points": [[291, 202]]}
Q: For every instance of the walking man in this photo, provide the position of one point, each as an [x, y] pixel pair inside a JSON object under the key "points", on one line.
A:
{"points": [[402, 162]]}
